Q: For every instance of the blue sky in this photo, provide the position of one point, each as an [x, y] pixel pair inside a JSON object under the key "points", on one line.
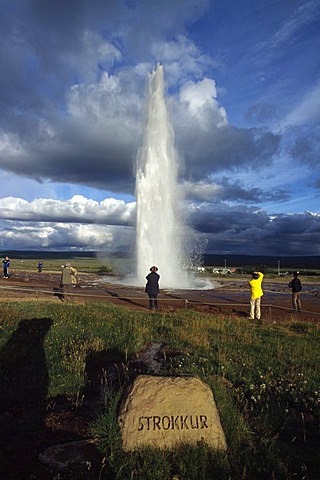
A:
{"points": [[243, 93]]}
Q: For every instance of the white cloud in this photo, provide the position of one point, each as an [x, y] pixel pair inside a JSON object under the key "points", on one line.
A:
{"points": [[99, 51], [182, 59], [77, 209], [305, 14], [107, 108], [10, 146], [60, 236], [307, 110], [201, 99]]}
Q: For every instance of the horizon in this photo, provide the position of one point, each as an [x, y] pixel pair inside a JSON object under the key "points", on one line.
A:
{"points": [[233, 260]]}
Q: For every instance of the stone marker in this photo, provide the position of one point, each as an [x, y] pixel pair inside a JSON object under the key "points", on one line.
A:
{"points": [[166, 411]]}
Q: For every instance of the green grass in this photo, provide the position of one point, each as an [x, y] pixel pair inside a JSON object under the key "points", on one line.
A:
{"points": [[265, 378], [85, 265]]}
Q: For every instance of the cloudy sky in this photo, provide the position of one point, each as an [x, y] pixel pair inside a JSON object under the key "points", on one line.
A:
{"points": [[243, 94]]}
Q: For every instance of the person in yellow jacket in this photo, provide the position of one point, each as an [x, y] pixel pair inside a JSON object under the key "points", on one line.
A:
{"points": [[256, 294]]}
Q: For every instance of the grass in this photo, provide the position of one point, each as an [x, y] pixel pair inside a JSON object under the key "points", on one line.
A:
{"points": [[265, 378], [85, 265], [108, 264]]}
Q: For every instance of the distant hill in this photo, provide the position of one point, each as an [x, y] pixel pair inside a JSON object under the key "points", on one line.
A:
{"points": [[299, 262], [42, 254]]}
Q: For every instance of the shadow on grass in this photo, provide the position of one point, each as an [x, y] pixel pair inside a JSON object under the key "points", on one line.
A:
{"points": [[24, 373], [30, 422], [107, 372], [23, 387]]}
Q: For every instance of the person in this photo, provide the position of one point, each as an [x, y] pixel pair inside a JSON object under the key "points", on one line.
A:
{"points": [[255, 295], [296, 288], [152, 287], [68, 279], [40, 267], [6, 264]]}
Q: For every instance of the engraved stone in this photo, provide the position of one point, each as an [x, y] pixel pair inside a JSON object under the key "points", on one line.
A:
{"points": [[167, 411]]}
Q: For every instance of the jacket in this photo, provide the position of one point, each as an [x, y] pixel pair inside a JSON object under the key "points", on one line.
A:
{"points": [[68, 276], [152, 286], [256, 286], [295, 285]]}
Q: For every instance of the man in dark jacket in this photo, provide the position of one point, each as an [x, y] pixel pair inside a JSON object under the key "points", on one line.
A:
{"points": [[296, 288], [152, 287]]}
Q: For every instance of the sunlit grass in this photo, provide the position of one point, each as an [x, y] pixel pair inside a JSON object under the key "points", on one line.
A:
{"points": [[265, 377]]}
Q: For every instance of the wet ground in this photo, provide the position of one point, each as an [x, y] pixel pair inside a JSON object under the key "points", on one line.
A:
{"points": [[230, 296]]}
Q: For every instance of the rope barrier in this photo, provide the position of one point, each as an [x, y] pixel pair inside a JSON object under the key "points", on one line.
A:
{"points": [[185, 300], [309, 290], [216, 289]]}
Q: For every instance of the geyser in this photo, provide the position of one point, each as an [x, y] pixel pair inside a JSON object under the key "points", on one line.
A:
{"points": [[161, 235]]}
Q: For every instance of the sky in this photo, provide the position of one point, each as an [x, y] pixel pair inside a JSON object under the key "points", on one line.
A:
{"points": [[243, 94]]}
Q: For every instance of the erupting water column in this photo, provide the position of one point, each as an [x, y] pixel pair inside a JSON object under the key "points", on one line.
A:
{"points": [[159, 228]]}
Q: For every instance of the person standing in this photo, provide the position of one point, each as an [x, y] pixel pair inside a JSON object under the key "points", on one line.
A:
{"points": [[152, 287], [6, 265], [68, 280], [256, 293], [296, 288]]}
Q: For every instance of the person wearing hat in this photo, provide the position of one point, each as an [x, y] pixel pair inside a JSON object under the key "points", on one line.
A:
{"points": [[296, 288], [256, 293], [152, 287], [68, 279]]}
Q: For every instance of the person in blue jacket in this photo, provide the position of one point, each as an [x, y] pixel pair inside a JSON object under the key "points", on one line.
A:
{"points": [[6, 265]]}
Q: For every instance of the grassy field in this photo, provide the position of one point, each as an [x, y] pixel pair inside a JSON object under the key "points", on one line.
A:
{"points": [[265, 378], [86, 265], [111, 265]]}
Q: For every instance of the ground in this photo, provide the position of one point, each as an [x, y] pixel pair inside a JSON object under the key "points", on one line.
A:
{"points": [[230, 294], [66, 421]]}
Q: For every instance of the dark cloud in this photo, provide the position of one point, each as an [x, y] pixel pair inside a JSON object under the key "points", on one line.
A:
{"points": [[238, 193], [306, 147], [217, 218], [208, 152], [247, 231], [225, 189], [67, 121]]}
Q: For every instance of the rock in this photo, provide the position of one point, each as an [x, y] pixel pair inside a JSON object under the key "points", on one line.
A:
{"points": [[166, 411], [66, 456]]}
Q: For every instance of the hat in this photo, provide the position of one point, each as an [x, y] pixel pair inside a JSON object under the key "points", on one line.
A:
{"points": [[153, 268]]}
